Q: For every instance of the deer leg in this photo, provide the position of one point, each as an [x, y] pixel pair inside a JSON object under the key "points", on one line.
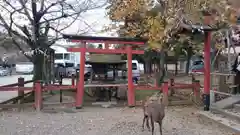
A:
{"points": [[147, 124], [144, 118], [160, 127], [152, 124]]}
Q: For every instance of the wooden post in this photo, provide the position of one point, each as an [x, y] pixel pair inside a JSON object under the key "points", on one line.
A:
{"points": [[165, 93], [73, 80], [60, 83], [172, 84], [193, 77], [131, 94], [38, 95], [193, 81], [20, 93], [80, 84], [197, 98]]}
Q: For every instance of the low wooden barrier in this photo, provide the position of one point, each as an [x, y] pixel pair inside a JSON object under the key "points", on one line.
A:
{"points": [[38, 90], [171, 85], [16, 87]]}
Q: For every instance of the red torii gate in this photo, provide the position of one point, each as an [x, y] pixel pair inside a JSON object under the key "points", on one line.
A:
{"points": [[106, 41]]}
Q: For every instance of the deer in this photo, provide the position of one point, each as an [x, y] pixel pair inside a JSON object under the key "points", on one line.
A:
{"points": [[155, 111]]}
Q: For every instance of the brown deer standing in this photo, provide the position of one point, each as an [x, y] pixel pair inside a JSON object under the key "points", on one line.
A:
{"points": [[155, 111]]}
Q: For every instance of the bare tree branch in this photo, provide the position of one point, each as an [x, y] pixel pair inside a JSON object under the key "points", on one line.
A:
{"points": [[9, 27], [42, 5], [33, 21], [20, 48], [23, 3], [52, 5], [12, 32]]}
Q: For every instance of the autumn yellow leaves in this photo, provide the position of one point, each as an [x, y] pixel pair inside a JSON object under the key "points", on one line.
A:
{"points": [[138, 18], [157, 19]]}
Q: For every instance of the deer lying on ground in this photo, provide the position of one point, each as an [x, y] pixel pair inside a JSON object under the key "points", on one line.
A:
{"points": [[155, 111]]}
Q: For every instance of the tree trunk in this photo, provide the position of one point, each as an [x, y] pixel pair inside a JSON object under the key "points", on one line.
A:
{"points": [[189, 55], [158, 66], [47, 73], [166, 66], [52, 66], [145, 67], [38, 61], [38, 67], [148, 66], [176, 67], [160, 76]]}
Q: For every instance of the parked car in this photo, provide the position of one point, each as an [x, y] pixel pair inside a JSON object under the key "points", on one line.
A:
{"points": [[24, 67], [4, 71], [197, 66]]}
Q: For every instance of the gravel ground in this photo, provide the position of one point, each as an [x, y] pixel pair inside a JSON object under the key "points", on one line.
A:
{"points": [[101, 121]]}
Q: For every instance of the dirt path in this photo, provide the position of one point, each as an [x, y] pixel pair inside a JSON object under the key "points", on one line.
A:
{"points": [[100, 121]]}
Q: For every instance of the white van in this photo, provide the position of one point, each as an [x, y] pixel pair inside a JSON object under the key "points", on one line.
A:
{"points": [[135, 70]]}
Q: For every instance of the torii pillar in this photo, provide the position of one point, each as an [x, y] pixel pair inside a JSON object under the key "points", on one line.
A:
{"points": [[207, 77], [80, 84]]}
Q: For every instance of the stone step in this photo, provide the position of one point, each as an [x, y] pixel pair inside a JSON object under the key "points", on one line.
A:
{"points": [[237, 107], [227, 102], [221, 120], [231, 114]]}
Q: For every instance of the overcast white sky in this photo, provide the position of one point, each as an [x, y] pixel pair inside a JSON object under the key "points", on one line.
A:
{"points": [[97, 19]]}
